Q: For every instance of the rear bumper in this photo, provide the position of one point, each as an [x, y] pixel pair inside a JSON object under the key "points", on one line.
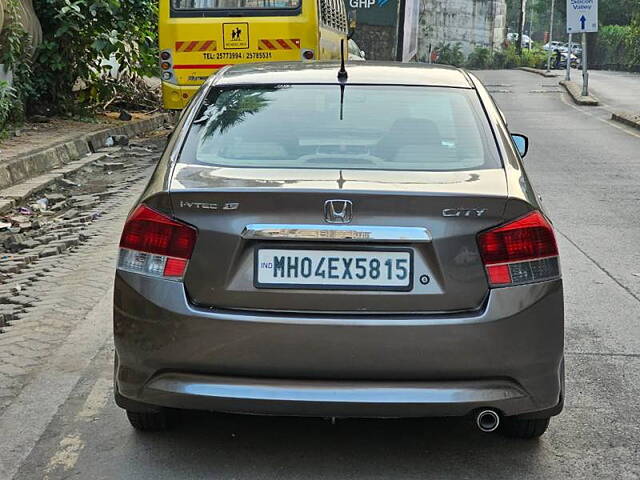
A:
{"points": [[175, 97], [508, 356]]}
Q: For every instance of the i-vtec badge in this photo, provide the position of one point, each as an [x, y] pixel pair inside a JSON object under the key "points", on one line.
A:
{"points": [[210, 206], [464, 212]]}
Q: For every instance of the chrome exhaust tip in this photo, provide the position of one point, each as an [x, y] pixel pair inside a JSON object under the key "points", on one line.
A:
{"points": [[488, 421]]}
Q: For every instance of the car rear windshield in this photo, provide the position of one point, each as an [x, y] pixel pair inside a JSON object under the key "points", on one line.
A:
{"points": [[352, 127], [233, 4]]}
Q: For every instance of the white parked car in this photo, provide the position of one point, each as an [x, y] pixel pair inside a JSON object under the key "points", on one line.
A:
{"points": [[576, 49], [555, 45], [526, 40], [354, 51]]}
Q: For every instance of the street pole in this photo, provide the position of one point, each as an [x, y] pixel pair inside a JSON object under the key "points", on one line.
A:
{"points": [[520, 27], [553, 7], [568, 77], [531, 27], [585, 72]]}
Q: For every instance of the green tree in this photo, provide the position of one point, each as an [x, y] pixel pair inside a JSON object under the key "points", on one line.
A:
{"points": [[79, 35]]}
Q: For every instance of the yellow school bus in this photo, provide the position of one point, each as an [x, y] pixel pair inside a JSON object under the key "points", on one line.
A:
{"points": [[198, 37]]}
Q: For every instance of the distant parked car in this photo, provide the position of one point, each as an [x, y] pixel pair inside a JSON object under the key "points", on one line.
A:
{"points": [[576, 49], [526, 40], [553, 46], [354, 51]]}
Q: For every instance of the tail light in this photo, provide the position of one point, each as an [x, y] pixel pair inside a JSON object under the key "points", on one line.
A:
{"points": [[166, 65], [521, 251], [155, 244]]}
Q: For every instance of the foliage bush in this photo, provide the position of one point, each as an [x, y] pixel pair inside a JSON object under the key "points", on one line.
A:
{"points": [[450, 54], [15, 54], [618, 47], [80, 36], [485, 58], [481, 58], [7, 105], [534, 58]]}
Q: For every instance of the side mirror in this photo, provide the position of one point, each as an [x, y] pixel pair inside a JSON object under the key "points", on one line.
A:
{"points": [[522, 144]]}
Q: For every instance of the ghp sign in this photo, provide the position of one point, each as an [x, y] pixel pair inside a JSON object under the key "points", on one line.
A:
{"points": [[367, 3]]}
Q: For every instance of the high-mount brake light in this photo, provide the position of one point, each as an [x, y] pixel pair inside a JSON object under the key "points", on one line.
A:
{"points": [[155, 244], [521, 251]]}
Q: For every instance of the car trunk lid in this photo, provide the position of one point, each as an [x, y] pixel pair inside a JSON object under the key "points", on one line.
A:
{"points": [[442, 211]]}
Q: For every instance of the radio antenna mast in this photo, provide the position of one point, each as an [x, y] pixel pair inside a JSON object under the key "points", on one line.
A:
{"points": [[342, 73], [342, 78]]}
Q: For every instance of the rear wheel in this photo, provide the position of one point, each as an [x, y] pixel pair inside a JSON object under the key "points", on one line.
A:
{"points": [[524, 428], [148, 421]]}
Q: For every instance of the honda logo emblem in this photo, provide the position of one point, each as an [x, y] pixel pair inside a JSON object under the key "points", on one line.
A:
{"points": [[338, 211]]}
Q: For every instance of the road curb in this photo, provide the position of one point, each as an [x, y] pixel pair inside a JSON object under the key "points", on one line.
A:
{"points": [[629, 119], [44, 160], [13, 195], [575, 91], [538, 71]]}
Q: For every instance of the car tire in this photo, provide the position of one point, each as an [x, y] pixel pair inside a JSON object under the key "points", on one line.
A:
{"points": [[148, 421], [524, 428]]}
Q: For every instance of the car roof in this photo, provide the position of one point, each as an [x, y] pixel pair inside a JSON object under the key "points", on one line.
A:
{"points": [[367, 73]]}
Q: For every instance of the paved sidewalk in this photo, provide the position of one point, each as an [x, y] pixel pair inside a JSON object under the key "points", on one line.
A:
{"points": [[66, 299], [55, 146], [41, 300], [39, 136], [619, 91]]}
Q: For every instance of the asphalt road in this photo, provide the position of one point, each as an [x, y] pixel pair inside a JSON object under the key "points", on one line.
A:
{"points": [[588, 171], [618, 91]]}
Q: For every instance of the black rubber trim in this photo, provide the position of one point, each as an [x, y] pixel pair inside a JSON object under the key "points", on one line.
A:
{"points": [[236, 13], [133, 405], [550, 412]]}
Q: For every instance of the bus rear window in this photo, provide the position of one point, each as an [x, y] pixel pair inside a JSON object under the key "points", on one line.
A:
{"points": [[233, 4]]}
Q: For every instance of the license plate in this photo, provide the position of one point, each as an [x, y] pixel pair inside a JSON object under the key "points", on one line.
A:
{"points": [[334, 269]]}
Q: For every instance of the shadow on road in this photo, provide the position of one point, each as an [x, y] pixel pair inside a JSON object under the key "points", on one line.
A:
{"points": [[248, 446]]}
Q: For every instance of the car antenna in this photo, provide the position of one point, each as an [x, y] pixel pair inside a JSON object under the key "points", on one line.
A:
{"points": [[342, 73], [342, 78]]}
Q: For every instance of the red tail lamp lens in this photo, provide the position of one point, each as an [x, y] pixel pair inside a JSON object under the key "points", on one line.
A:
{"points": [[149, 231], [175, 267], [521, 251], [526, 238], [499, 274]]}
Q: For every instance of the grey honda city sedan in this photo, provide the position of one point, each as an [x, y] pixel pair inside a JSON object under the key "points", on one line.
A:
{"points": [[330, 243]]}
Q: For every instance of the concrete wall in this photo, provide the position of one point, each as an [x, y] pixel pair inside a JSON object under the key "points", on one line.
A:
{"points": [[470, 22], [27, 17], [377, 41], [5, 75]]}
